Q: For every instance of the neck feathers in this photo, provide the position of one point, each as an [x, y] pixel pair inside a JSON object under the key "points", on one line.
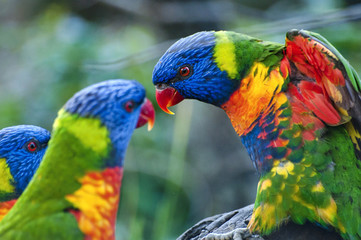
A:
{"points": [[236, 53], [267, 119], [258, 95], [7, 188], [90, 132], [5, 207], [70, 156], [263, 138], [96, 202]]}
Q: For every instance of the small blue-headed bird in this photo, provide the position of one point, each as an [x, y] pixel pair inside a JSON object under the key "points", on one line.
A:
{"points": [[21, 151]]}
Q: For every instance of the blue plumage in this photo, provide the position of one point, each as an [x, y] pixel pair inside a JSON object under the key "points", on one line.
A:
{"points": [[207, 79], [23, 147]]}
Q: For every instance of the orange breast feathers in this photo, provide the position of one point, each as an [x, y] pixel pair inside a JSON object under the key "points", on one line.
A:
{"points": [[256, 92], [97, 200], [5, 207]]}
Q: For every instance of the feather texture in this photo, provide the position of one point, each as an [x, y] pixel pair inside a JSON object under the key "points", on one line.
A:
{"points": [[21, 151], [297, 110], [74, 194]]}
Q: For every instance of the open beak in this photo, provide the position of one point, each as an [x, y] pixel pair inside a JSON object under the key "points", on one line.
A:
{"points": [[167, 97], [147, 115]]}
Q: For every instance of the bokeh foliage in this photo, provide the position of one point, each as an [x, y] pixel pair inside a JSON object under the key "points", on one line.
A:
{"points": [[192, 164]]}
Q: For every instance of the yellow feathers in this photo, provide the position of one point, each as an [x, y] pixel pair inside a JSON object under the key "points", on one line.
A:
{"points": [[265, 184], [88, 130], [328, 213], [318, 188], [354, 134], [298, 196], [283, 168], [98, 199], [258, 89], [5, 177], [225, 54], [265, 217]]}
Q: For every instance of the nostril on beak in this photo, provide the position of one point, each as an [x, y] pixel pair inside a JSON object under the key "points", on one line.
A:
{"points": [[161, 86]]}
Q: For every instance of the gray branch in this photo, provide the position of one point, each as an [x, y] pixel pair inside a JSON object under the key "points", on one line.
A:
{"points": [[239, 218]]}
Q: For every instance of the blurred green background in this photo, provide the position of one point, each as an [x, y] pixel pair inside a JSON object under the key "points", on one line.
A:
{"points": [[191, 165]]}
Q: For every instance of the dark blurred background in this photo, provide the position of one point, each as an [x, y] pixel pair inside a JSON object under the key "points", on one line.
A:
{"points": [[191, 165]]}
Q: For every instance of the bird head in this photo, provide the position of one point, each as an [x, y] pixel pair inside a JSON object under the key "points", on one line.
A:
{"points": [[120, 105], [196, 67], [21, 151]]}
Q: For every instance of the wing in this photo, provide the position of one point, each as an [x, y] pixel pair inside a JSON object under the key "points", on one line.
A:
{"points": [[327, 82]]}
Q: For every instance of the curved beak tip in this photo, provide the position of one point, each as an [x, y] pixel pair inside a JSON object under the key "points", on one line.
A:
{"points": [[147, 115], [168, 97], [151, 123], [166, 110]]}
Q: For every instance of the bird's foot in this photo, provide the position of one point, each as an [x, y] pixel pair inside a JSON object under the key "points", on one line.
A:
{"points": [[236, 234]]}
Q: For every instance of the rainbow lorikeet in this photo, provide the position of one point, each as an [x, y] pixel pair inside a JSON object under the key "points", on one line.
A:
{"points": [[21, 150], [296, 107], [75, 192]]}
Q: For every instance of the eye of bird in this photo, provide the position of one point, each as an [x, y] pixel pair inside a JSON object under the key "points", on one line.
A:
{"points": [[129, 106], [32, 146], [185, 71]]}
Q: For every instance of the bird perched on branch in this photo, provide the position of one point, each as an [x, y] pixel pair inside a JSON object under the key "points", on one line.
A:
{"points": [[75, 192], [296, 107], [21, 150]]}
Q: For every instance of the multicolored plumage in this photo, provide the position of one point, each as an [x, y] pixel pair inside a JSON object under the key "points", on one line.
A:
{"points": [[75, 192], [297, 109], [21, 150]]}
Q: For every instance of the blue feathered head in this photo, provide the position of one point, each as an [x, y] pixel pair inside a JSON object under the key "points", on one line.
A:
{"points": [[187, 70], [120, 105], [21, 151]]}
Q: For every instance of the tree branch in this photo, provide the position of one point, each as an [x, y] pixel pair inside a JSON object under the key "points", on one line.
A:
{"points": [[226, 222]]}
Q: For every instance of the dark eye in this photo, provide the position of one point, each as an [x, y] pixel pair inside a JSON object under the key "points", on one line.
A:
{"points": [[184, 71], [129, 106], [32, 146]]}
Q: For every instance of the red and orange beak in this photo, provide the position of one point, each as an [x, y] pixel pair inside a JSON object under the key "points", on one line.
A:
{"points": [[167, 97], [147, 115]]}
